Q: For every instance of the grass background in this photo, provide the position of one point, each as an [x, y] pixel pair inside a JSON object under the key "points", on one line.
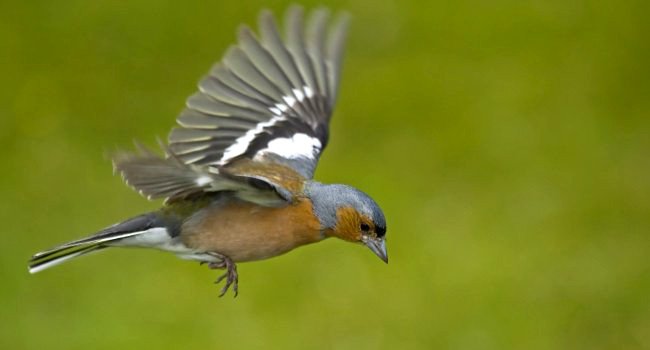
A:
{"points": [[507, 141]]}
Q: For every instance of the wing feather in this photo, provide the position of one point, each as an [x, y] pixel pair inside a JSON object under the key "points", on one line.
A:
{"points": [[269, 101]]}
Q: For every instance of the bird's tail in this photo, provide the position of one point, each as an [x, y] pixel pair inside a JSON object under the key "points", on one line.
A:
{"points": [[103, 239]]}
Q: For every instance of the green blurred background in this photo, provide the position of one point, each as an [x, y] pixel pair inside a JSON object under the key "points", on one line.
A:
{"points": [[508, 143]]}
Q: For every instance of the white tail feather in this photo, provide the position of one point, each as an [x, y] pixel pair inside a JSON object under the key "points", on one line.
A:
{"points": [[61, 259], [58, 255]]}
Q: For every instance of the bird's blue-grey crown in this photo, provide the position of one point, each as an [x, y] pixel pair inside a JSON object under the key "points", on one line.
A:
{"points": [[328, 198]]}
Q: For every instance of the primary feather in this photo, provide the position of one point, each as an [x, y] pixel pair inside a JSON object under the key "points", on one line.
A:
{"points": [[269, 100]]}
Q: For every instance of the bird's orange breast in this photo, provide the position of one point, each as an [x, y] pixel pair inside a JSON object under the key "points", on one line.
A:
{"points": [[244, 231]]}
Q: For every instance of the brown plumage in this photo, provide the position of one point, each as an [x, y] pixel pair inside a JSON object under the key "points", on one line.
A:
{"points": [[275, 173], [348, 221], [245, 231]]}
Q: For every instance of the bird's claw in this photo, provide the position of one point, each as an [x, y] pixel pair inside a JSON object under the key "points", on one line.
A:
{"points": [[231, 276]]}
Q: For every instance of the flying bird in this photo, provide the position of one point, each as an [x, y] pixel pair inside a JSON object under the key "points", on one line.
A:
{"points": [[236, 174]]}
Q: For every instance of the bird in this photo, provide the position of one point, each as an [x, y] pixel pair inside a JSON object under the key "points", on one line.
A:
{"points": [[236, 173]]}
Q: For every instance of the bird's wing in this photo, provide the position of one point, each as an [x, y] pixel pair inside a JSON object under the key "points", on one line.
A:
{"points": [[268, 102]]}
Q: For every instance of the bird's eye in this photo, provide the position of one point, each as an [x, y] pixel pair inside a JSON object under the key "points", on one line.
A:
{"points": [[365, 227]]}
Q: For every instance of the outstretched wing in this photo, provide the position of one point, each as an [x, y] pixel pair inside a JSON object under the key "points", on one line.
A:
{"points": [[267, 98], [268, 102]]}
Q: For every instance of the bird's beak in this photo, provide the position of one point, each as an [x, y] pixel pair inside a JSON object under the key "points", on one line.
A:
{"points": [[378, 246]]}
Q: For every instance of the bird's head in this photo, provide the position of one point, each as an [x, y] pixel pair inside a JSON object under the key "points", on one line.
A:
{"points": [[349, 214]]}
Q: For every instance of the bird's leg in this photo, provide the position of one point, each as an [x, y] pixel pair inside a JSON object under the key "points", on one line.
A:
{"points": [[231, 276]]}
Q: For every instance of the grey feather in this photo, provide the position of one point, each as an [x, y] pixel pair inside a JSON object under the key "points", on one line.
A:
{"points": [[273, 43], [327, 199], [296, 46], [210, 106], [316, 47], [335, 49], [218, 90], [192, 135], [157, 177], [240, 64], [264, 61], [192, 119], [227, 77]]}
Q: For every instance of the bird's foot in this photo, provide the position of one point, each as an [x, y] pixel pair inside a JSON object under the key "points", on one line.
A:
{"points": [[231, 276]]}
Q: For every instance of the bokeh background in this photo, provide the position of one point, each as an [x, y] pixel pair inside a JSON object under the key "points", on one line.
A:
{"points": [[507, 141]]}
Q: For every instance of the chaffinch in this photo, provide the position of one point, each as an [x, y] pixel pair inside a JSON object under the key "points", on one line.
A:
{"points": [[236, 175]]}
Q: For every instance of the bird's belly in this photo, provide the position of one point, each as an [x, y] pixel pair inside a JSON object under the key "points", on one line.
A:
{"points": [[244, 231]]}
